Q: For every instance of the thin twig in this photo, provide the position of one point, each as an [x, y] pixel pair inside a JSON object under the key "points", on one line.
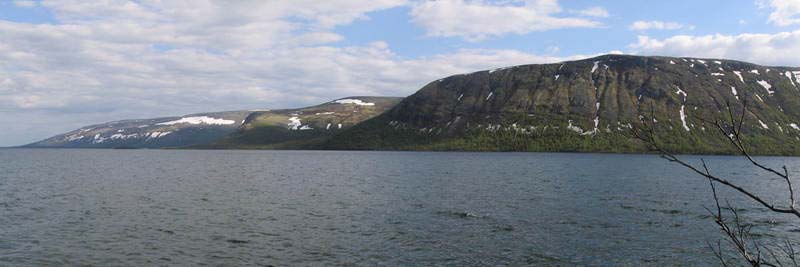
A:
{"points": [[738, 233]]}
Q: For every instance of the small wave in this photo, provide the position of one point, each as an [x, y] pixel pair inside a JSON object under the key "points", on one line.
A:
{"points": [[166, 231], [459, 214], [504, 228]]}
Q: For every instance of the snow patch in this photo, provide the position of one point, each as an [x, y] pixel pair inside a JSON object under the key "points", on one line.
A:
{"points": [[574, 128], [766, 86], [156, 134], [681, 92], [74, 137], [354, 101], [123, 136], [683, 118], [755, 72], [199, 120], [98, 139], [557, 77], [794, 125], [490, 95], [736, 94], [718, 62], [739, 73], [324, 113], [294, 123], [672, 62], [763, 125], [789, 75], [717, 74], [594, 68], [491, 71]]}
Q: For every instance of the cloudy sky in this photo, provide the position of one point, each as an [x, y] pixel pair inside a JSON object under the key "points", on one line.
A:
{"points": [[69, 63]]}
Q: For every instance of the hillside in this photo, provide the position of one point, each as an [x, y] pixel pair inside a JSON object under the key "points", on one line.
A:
{"points": [[150, 133], [304, 128], [589, 106], [286, 128]]}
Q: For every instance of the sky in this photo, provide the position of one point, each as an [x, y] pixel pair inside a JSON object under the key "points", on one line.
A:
{"points": [[70, 63]]}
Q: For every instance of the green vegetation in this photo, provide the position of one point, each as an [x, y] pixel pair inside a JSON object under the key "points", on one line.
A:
{"points": [[553, 140]]}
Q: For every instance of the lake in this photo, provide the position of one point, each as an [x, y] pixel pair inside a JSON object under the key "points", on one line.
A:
{"points": [[314, 208]]}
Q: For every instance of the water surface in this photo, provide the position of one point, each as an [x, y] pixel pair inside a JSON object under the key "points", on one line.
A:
{"points": [[165, 207]]}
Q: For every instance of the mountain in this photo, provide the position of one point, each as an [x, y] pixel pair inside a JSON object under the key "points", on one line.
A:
{"points": [[304, 128], [583, 106], [590, 106], [288, 128], [150, 133]]}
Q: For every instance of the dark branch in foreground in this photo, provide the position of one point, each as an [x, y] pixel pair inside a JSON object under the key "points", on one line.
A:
{"points": [[647, 134], [737, 233]]}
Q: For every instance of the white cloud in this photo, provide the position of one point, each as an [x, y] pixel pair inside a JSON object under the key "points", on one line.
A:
{"points": [[24, 3], [597, 11], [785, 12], [140, 60], [770, 49], [475, 20], [656, 25]]}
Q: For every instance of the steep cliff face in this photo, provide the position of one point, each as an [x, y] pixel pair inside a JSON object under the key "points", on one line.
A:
{"points": [[590, 105]]}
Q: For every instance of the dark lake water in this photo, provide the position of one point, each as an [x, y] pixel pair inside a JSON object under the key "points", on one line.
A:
{"points": [[312, 208]]}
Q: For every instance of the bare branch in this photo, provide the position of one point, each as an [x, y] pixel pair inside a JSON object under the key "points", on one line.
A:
{"points": [[647, 135], [737, 233], [718, 253]]}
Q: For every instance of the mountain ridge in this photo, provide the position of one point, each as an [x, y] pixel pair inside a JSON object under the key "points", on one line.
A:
{"points": [[207, 130], [585, 106]]}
